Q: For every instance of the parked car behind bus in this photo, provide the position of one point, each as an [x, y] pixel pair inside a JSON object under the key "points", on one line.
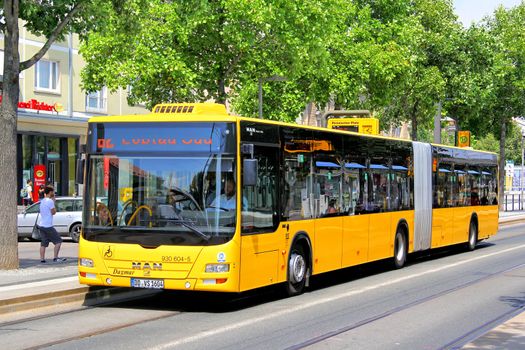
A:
{"points": [[67, 221]]}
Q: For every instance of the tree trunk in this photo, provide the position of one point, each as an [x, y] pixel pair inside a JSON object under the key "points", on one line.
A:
{"points": [[221, 92], [501, 176], [8, 116]]}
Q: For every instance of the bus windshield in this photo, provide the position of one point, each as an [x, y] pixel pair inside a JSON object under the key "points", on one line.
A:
{"points": [[156, 198]]}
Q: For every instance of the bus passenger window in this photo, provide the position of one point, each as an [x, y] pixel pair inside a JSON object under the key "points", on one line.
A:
{"points": [[260, 213], [400, 188], [353, 185], [489, 186], [379, 196], [474, 183], [462, 185], [297, 192], [327, 180], [355, 180], [444, 188], [400, 178]]}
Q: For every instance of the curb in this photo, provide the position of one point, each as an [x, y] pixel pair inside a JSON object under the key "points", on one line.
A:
{"points": [[29, 306], [511, 219]]}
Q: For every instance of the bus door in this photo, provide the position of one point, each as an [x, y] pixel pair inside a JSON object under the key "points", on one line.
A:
{"points": [[261, 239], [462, 210]]}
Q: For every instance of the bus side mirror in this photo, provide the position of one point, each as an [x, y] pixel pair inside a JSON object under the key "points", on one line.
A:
{"points": [[250, 168], [80, 171]]}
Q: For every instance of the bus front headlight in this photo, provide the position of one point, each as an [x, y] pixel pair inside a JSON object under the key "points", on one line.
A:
{"points": [[217, 268], [86, 262]]}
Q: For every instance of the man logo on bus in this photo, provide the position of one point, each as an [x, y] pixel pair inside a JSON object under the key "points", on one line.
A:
{"points": [[136, 265]]}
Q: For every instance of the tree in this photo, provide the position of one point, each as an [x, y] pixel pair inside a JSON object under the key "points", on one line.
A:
{"points": [[369, 56], [504, 71], [52, 20], [389, 60], [199, 50], [433, 47], [58, 15]]}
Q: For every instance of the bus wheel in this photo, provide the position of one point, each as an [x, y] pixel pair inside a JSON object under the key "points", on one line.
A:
{"points": [[297, 269], [400, 249], [472, 236]]}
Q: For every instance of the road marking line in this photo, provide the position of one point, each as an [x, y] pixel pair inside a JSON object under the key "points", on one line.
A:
{"points": [[322, 301], [38, 284]]}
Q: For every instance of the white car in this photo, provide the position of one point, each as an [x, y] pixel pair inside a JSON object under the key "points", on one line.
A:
{"points": [[67, 221]]}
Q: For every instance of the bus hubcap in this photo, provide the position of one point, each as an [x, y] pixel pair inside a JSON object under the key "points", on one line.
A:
{"points": [[297, 268]]}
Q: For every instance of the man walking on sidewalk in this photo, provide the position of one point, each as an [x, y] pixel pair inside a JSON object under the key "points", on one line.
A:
{"points": [[47, 232]]}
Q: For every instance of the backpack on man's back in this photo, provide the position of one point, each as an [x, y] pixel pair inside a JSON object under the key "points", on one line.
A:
{"points": [[23, 192]]}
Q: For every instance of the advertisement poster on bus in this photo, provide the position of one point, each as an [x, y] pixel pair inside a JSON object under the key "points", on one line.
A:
{"points": [[39, 174]]}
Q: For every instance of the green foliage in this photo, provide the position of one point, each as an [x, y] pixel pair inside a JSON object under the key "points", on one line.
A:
{"points": [[512, 144], [281, 100], [195, 50], [487, 143], [498, 73], [391, 60]]}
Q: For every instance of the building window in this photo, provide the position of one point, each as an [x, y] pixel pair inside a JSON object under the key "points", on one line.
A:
{"points": [[96, 101], [47, 76]]}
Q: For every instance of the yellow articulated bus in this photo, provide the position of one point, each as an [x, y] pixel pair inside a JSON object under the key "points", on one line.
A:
{"points": [[191, 198]]}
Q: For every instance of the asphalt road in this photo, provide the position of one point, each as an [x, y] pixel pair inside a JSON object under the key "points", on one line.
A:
{"points": [[439, 301]]}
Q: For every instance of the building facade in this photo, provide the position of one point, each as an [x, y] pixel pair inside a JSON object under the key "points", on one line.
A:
{"points": [[53, 112]]}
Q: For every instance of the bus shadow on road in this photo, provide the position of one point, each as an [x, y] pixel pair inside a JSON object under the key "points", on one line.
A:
{"points": [[191, 301], [353, 273], [210, 302]]}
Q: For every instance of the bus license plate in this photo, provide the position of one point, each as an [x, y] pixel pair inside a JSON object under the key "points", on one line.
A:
{"points": [[143, 283]]}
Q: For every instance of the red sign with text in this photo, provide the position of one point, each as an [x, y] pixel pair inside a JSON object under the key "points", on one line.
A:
{"points": [[39, 174], [39, 106]]}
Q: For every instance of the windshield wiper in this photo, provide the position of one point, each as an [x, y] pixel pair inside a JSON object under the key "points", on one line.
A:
{"points": [[189, 225], [101, 227], [96, 231]]}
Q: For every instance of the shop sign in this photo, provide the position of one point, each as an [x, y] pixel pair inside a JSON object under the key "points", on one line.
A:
{"points": [[39, 175], [39, 106], [464, 138]]}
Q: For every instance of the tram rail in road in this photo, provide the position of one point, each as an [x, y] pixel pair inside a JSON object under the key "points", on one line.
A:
{"points": [[327, 335]]}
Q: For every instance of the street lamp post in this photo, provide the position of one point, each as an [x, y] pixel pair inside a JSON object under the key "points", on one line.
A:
{"points": [[261, 80]]}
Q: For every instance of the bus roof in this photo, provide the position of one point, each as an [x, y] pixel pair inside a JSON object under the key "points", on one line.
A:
{"points": [[173, 112], [215, 112]]}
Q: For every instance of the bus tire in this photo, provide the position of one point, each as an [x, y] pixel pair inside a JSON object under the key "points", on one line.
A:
{"points": [[400, 249], [297, 270], [472, 236]]}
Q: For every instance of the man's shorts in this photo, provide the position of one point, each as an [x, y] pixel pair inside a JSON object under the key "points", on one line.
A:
{"points": [[49, 234]]}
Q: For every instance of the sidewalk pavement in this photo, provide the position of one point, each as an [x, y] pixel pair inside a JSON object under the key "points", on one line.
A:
{"points": [[37, 289]]}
